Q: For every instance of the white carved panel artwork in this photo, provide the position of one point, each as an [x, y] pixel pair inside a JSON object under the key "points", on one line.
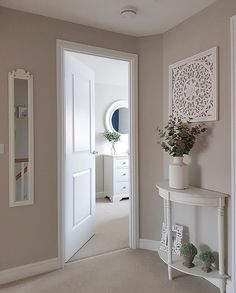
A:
{"points": [[193, 94]]}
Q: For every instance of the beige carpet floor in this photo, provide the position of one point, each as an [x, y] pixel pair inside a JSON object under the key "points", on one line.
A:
{"points": [[112, 229], [127, 271]]}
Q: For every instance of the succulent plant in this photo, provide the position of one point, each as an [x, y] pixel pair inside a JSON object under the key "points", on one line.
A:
{"points": [[207, 257], [188, 250]]}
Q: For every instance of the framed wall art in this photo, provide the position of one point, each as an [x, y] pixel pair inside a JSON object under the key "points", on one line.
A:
{"points": [[193, 87]]}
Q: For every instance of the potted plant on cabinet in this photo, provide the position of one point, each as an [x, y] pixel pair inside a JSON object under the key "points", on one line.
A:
{"points": [[177, 139], [188, 251], [112, 137], [208, 259]]}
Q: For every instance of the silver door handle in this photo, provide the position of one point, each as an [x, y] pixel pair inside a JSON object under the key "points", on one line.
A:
{"points": [[94, 152]]}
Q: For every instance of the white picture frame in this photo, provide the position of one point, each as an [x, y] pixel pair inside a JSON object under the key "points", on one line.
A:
{"points": [[24, 75], [177, 235], [193, 87]]}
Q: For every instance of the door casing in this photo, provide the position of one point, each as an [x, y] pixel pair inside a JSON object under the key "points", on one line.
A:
{"points": [[63, 46], [233, 148]]}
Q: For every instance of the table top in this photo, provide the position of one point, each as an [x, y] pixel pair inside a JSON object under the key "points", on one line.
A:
{"points": [[192, 195]]}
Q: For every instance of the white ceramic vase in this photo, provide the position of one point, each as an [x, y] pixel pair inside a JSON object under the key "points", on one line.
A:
{"points": [[113, 148], [178, 174]]}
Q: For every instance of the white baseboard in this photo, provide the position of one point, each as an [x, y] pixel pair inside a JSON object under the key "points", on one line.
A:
{"points": [[148, 244], [215, 282], [100, 194], [153, 244], [229, 285], [29, 270]]}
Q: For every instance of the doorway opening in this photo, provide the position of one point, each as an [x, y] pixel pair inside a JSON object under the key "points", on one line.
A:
{"points": [[97, 184]]}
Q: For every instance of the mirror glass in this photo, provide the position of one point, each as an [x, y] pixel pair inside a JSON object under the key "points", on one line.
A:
{"points": [[119, 120], [21, 137]]}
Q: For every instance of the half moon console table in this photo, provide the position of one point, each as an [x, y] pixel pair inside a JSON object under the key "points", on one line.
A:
{"points": [[195, 197]]}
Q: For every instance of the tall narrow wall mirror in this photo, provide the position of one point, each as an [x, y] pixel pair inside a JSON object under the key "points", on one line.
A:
{"points": [[21, 138]]}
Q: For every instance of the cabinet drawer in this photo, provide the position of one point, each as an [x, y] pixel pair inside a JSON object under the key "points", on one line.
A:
{"points": [[121, 187], [122, 174], [122, 163]]}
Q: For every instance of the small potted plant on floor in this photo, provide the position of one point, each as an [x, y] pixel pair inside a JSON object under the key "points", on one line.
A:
{"points": [[208, 259], [112, 137], [188, 251], [177, 139]]}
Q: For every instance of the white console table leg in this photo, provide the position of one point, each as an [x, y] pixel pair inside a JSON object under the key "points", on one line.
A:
{"points": [[165, 213], [221, 244], [169, 229]]}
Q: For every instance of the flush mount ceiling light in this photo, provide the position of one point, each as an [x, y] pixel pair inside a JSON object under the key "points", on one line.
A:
{"points": [[129, 12]]}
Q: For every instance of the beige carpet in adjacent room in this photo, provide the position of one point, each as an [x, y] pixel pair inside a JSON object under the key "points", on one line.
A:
{"points": [[112, 229], [127, 271]]}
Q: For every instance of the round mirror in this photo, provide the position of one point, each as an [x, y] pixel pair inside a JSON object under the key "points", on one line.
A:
{"points": [[119, 120], [117, 117]]}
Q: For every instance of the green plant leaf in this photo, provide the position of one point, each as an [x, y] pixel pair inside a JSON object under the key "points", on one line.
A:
{"points": [[179, 137]]}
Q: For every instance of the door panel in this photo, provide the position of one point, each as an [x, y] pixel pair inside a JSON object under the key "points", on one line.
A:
{"points": [[80, 162], [81, 87], [82, 197]]}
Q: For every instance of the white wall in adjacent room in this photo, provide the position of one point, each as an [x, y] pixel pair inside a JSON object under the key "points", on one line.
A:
{"points": [[111, 85], [105, 95]]}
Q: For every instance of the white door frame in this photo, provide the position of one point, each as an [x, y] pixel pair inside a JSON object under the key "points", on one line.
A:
{"points": [[233, 147], [133, 142]]}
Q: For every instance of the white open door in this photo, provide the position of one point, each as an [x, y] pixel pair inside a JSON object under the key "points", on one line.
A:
{"points": [[79, 158]]}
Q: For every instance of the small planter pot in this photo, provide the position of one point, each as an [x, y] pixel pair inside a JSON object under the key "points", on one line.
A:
{"points": [[207, 268], [178, 174], [188, 262]]}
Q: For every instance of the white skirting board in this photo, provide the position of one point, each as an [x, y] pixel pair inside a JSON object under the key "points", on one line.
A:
{"points": [[45, 266], [229, 285], [148, 244], [29, 270], [153, 244]]}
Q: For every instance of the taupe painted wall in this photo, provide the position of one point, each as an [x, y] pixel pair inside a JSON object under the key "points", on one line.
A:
{"points": [[150, 116], [28, 41], [210, 167], [29, 234]]}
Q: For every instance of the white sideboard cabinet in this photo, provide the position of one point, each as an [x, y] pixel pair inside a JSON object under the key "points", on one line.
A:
{"points": [[116, 177]]}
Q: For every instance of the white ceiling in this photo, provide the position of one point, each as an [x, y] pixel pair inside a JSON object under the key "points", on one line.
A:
{"points": [[153, 17], [106, 70]]}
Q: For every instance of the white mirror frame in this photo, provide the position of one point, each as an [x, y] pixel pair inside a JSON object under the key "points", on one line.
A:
{"points": [[20, 74], [108, 118]]}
